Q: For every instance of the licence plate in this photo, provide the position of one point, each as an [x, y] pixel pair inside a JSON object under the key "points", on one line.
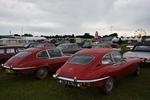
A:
{"points": [[67, 82], [9, 71]]}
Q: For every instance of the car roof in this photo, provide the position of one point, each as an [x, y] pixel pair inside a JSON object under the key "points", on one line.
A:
{"points": [[96, 51], [15, 46]]}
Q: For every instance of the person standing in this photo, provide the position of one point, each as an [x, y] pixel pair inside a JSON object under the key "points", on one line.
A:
{"points": [[120, 42]]}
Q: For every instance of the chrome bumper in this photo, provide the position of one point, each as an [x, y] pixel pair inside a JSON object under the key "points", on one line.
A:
{"points": [[13, 68], [78, 81]]}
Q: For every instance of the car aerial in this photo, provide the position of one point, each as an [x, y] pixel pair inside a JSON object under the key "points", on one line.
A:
{"points": [[36, 61], [69, 48], [7, 52], [141, 51], [97, 67]]}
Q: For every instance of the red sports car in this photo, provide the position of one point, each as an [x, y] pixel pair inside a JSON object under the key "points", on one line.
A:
{"points": [[97, 67], [36, 61]]}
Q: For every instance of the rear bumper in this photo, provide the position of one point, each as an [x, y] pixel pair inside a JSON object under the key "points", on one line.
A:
{"points": [[14, 68], [78, 82]]}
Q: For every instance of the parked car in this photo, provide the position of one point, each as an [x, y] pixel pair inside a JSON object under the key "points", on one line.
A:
{"points": [[61, 41], [7, 52], [130, 46], [141, 51], [46, 45], [69, 48], [97, 67], [101, 46], [36, 61], [31, 44], [39, 44], [88, 44]]}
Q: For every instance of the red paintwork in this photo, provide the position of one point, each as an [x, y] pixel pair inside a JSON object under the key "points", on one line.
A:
{"points": [[31, 60], [5, 56], [95, 69]]}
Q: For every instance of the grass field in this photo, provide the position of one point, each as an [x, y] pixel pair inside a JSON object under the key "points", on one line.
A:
{"points": [[27, 88]]}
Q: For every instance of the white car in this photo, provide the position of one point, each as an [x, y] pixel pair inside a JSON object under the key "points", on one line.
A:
{"points": [[140, 51]]}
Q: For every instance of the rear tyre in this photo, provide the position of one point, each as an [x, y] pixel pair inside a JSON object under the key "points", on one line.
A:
{"points": [[137, 72], [41, 73], [108, 86]]}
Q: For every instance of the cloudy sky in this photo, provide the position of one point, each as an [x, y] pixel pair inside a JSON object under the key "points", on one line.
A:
{"points": [[67, 17]]}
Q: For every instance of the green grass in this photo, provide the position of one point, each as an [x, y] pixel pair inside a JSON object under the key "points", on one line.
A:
{"points": [[23, 87], [27, 88]]}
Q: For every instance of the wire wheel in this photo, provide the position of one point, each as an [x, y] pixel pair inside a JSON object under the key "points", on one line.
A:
{"points": [[41, 73], [108, 86]]}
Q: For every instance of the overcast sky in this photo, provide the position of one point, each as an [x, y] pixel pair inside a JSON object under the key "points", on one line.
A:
{"points": [[67, 17]]}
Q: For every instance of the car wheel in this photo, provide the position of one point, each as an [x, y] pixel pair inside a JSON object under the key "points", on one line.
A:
{"points": [[108, 86], [137, 72], [41, 73]]}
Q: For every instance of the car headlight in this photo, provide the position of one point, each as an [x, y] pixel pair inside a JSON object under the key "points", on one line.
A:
{"points": [[131, 48]]}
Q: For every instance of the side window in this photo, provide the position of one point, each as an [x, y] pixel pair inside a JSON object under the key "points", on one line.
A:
{"points": [[54, 53], [42, 54], [117, 56], [10, 51], [2, 51], [106, 59]]}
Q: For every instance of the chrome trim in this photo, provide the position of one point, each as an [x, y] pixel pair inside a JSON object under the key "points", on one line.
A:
{"points": [[70, 79], [13, 68]]}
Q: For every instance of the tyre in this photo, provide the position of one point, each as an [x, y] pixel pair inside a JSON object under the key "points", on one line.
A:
{"points": [[41, 73], [108, 86], [137, 72]]}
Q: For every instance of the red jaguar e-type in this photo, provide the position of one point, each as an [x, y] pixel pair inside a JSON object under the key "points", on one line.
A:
{"points": [[97, 67], [36, 61]]}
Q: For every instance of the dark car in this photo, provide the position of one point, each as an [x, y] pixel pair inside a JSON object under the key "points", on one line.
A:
{"points": [[46, 45], [39, 44], [36, 61], [30, 45], [97, 67], [69, 48], [88, 44]]}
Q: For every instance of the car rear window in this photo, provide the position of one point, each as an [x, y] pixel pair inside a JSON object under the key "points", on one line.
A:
{"points": [[81, 59], [23, 54]]}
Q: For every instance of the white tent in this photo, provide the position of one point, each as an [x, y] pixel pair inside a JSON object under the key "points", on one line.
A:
{"points": [[115, 39]]}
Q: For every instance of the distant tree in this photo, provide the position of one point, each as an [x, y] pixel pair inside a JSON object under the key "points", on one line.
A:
{"points": [[87, 35], [16, 35], [28, 35], [114, 35]]}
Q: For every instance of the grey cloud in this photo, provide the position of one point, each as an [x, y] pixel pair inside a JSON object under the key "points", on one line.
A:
{"points": [[51, 17]]}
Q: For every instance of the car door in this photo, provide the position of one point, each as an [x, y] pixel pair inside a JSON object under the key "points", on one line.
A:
{"points": [[57, 58], [121, 66]]}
